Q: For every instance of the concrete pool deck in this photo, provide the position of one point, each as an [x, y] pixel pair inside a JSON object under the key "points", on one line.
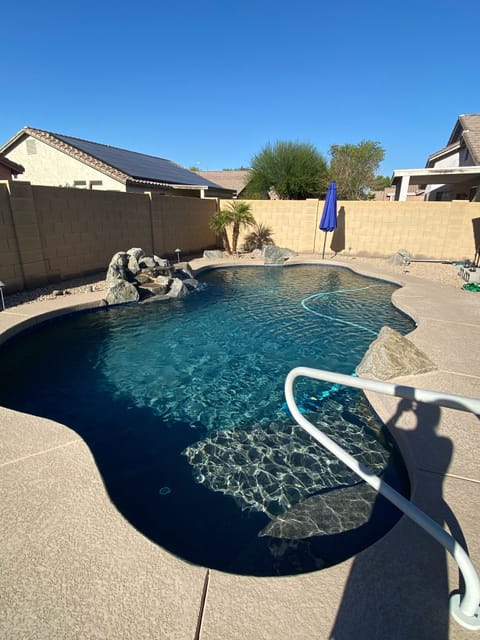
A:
{"points": [[73, 567]]}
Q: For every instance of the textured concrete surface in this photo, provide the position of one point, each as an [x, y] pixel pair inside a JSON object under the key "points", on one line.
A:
{"points": [[72, 567]]}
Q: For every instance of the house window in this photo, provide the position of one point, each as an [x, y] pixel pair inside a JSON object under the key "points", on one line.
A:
{"points": [[93, 184], [443, 196], [80, 184], [31, 147]]}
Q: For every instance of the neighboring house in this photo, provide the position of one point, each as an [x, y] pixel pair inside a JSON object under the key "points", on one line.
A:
{"points": [[236, 179], [9, 169], [452, 173], [388, 194], [56, 160]]}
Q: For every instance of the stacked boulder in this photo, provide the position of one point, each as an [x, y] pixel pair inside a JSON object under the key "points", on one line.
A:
{"points": [[133, 276]]}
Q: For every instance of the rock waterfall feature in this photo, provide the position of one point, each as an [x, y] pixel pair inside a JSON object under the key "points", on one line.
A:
{"points": [[134, 276]]}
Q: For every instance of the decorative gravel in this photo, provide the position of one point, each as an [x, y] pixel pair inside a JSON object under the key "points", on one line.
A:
{"points": [[74, 286]]}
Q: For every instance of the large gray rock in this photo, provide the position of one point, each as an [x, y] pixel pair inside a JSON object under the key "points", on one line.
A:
{"points": [[276, 255], [136, 252], [191, 283], [133, 276], [162, 262], [213, 255], [116, 273], [163, 281], [392, 355], [118, 268], [177, 289], [402, 258], [133, 265], [146, 262], [121, 292], [187, 269]]}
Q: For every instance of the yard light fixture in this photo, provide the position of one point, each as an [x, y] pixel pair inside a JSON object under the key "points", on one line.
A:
{"points": [[177, 251], [2, 284]]}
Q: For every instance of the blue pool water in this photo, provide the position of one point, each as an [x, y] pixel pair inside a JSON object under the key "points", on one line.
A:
{"points": [[181, 403]]}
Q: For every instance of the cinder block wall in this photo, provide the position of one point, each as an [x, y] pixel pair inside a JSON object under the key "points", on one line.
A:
{"points": [[80, 230], [10, 264], [50, 233], [181, 223], [435, 230], [31, 259]]}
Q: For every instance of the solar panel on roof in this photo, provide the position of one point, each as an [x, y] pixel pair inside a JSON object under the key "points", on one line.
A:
{"points": [[138, 165]]}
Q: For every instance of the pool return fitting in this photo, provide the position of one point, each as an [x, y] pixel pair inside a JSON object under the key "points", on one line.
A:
{"points": [[466, 610]]}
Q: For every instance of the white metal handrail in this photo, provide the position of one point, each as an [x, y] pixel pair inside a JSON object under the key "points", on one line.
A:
{"points": [[465, 610]]}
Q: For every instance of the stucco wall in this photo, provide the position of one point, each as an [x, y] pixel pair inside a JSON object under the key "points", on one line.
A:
{"points": [[50, 167], [436, 230]]}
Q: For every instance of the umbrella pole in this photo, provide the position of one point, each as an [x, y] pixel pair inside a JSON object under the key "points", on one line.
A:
{"points": [[324, 243]]}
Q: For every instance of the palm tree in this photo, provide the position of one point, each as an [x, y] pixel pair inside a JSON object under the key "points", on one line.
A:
{"points": [[238, 214], [258, 237], [219, 223]]}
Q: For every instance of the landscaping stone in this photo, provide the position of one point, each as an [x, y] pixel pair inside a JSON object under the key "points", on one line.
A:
{"points": [[147, 261], [401, 258], [177, 289], [133, 265], [134, 276], [136, 252], [121, 292], [213, 254], [392, 355], [276, 255]]}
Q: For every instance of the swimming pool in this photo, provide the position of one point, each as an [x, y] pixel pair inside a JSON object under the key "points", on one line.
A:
{"points": [[181, 403]]}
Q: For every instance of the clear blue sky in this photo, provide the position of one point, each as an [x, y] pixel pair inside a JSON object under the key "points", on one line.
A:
{"points": [[210, 83]]}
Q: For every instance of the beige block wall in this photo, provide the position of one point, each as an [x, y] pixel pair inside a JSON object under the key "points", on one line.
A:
{"points": [[181, 223], [435, 230], [27, 234], [10, 264], [50, 167], [81, 229], [49, 233]]}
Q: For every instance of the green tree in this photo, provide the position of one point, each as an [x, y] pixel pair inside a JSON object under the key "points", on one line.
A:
{"points": [[380, 182], [238, 214], [293, 170], [219, 223], [354, 167]]}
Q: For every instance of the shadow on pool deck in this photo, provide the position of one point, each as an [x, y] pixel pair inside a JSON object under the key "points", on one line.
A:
{"points": [[376, 580], [72, 567]]}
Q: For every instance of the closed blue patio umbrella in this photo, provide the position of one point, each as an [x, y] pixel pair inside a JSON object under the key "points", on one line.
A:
{"points": [[328, 221]]}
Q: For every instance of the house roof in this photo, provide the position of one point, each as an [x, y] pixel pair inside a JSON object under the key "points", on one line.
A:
{"points": [[465, 132], [13, 166], [235, 179], [121, 164], [471, 134]]}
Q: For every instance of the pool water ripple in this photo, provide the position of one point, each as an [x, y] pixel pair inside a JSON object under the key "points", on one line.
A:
{"points": [[182, 405]]}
